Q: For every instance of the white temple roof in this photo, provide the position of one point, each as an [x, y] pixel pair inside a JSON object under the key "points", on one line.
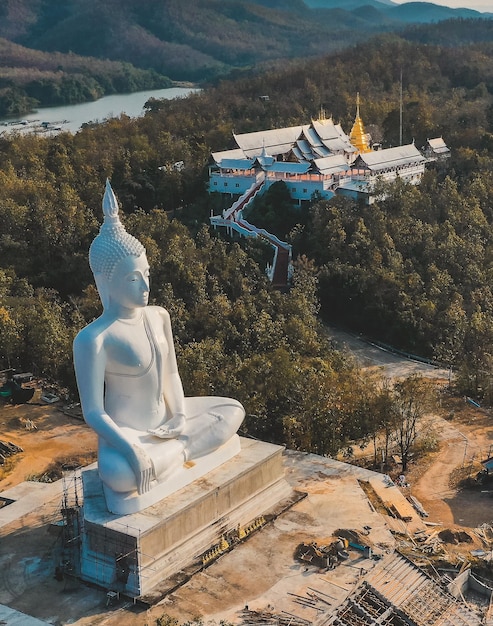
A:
{"points": [[312, 137], [319, 139], [276, 141], [237, 153], [289, 168], [338, 144], [332, 165], [236, 164], [438, 145], [332, 135], [326, 129], [391, 157]]}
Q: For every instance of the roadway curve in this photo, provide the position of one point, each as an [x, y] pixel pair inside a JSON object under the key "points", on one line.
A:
{"points": [[393, 365], [463, 442]]}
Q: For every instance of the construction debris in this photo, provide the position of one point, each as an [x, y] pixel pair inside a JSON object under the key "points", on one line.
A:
{"points": [[326, 555], [7, 448], [268, 618], [229, 539], [485, 533], [417, 505]]}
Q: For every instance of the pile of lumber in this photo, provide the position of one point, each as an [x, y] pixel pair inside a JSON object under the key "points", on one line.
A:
{"points": [[7, 448]]}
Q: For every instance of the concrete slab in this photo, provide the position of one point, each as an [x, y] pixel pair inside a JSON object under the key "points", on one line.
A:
{"points": [[15, 618], [26, 498]]}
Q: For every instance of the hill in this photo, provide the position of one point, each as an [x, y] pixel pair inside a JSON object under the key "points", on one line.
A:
{"points": [[206, 38], [30, 77], [408, 11], [413, 270], [426, 12]]}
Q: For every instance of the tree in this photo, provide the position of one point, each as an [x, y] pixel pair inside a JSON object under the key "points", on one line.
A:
{"points": [[10, 338], [374, 393], [411, 399]]}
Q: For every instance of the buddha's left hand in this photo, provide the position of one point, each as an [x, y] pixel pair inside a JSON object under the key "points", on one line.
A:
{"points": [[171, 429]]}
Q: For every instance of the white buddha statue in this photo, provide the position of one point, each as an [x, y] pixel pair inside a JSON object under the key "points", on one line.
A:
{"points": [[152, 440]]}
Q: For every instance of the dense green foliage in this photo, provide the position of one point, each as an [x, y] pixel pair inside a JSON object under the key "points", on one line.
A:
{"points": [[30, 78], [200, 39], [414, 269]]}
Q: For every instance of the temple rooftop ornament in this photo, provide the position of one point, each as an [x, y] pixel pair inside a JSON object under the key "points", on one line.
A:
{"points": [[358, 137]]}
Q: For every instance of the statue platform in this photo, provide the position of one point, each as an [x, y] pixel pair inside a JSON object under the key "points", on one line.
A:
{"points": [[131, 554]]}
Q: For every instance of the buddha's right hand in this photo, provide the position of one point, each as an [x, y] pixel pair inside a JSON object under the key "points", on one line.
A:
{"points": [[171, 429], [142, 467]]}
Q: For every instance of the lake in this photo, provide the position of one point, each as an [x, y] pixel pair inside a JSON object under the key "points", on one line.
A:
{"points": [[71, 117]]}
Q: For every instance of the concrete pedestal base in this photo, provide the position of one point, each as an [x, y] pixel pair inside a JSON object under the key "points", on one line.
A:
{"points": [[133, 553], [127, 503]]}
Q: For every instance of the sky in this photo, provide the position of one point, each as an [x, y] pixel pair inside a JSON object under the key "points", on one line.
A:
{"points": [[478, 5]]}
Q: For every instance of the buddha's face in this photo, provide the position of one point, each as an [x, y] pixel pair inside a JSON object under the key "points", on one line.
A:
{"points": [[129, 285]]}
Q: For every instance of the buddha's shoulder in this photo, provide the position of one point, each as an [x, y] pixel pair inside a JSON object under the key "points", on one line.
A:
{"points": [[156, 312], [93, 333]]}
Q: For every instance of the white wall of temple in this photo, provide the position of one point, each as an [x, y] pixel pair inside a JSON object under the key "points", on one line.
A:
{"points": [[230, 183], [303, 186]]}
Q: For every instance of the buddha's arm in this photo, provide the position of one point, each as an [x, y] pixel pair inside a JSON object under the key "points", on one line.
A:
{"points": [[172, 385], [90, 363]]}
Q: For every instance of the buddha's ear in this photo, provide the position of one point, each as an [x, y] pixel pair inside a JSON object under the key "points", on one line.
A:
{"points": [[102, 285]]}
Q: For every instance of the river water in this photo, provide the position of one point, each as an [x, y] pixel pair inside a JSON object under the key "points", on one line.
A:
{"points": [[71, 117]]}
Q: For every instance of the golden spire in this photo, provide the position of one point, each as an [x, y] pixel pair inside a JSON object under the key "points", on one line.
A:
{"points": [[358, 137]]}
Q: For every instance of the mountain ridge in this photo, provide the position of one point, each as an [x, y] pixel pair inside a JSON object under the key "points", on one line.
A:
{"points": [[207, 38]]}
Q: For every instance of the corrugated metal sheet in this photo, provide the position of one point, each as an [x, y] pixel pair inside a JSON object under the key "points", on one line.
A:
{"points": [[437, 143]]}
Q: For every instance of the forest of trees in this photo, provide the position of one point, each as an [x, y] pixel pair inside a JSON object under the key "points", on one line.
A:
{"points": [[29, 78], [203, 39], [413, 269]]}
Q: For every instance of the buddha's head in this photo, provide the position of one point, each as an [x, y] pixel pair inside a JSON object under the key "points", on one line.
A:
{"points": [[112, 248]]}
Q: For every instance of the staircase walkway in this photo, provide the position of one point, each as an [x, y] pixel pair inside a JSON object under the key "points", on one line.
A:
{"points": [[232, 218]]}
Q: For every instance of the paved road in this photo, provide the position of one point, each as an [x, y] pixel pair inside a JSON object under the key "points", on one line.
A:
{"points": [[370, 355]]}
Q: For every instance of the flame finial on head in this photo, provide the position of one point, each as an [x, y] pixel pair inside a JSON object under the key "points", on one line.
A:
{"points": [[110, 204], [113, 243]]}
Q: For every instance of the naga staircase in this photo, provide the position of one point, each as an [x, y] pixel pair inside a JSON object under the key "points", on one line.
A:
{"points": [[279, 272]]}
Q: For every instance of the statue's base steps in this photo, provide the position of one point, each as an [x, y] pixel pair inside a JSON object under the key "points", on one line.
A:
{"points": [[145, 555]]}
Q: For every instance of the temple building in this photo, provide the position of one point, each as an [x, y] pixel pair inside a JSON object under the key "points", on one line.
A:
{"points": [[313, 160], [317, 158]]}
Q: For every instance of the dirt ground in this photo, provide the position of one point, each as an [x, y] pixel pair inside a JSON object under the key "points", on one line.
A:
{"points": [[444, 482], [57, 437], [465, 437]]}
